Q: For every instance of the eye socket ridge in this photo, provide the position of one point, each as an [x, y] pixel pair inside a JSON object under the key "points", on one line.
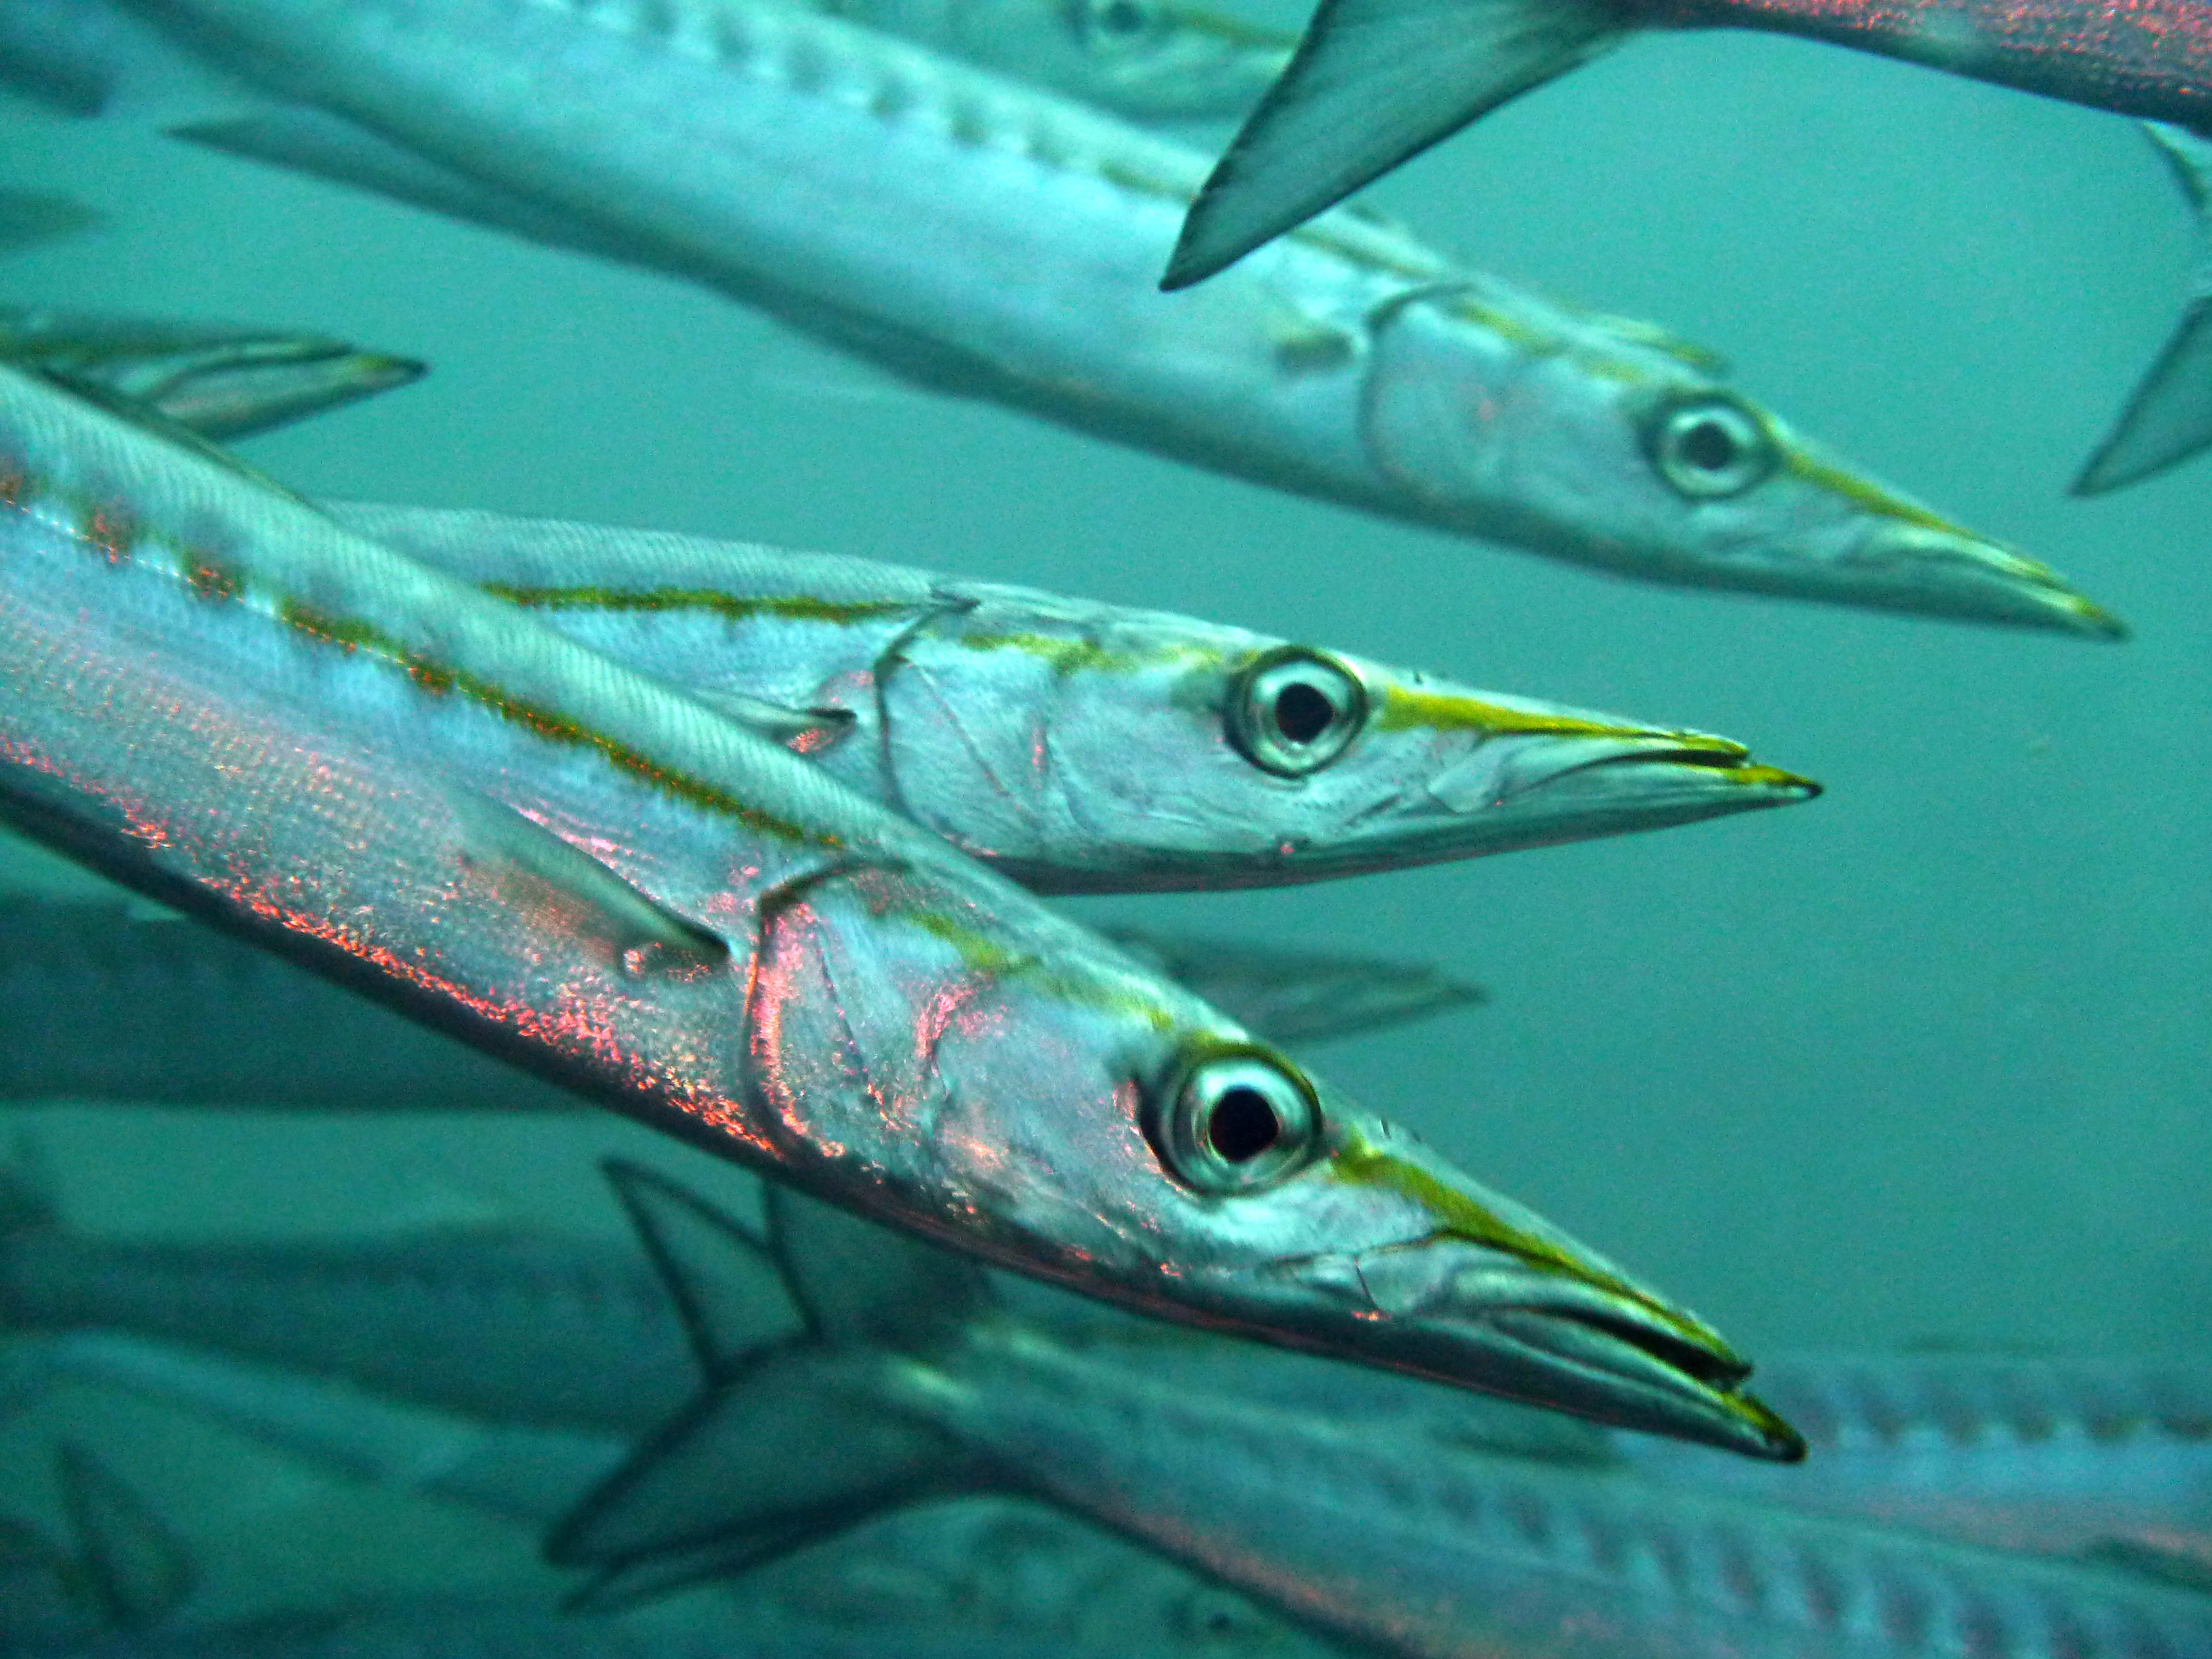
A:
{"points": [[1293, 710], [1710, 445], [1233, 1118]]}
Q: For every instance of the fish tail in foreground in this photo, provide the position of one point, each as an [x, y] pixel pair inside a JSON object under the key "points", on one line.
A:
{"points": [[2168, 416], [1373, 84]]}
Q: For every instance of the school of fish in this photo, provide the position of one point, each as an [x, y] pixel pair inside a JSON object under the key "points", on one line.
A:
{"points": [[381, 806]]}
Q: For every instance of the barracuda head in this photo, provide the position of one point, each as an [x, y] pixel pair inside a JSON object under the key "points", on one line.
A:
{"points": [[1095, 749], [1602, 444], [1151, 59], [1040, 1100]]}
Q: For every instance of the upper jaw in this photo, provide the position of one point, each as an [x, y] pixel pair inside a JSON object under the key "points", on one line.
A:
{"points": [[1935, 568]]}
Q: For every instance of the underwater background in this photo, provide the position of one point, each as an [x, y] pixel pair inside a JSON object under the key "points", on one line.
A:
{"points": [[1923, 1062]]}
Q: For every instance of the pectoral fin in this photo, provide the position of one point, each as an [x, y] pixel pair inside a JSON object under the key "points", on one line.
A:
{"points": [[1373, 82], [2168, 416], [533, 870]]}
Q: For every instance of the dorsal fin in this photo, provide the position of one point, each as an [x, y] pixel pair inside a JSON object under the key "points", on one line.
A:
{"points": [[1373, 82], [726, 1285], [137, 1569], [861, 1284]]}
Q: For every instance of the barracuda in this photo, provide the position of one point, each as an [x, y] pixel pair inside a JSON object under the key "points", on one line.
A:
{"points": [[1376, 81], [1082, 747], [219, 380], [766, 153], [222, 699], [911, 1384]]}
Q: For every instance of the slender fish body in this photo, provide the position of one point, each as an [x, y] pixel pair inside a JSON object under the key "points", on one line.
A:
{"points": [[1395, 1544], [2059, 1457], [769, 153], [524, 1328], [1151, 60], [1082, 747], [221, 698], [1375, 82]]}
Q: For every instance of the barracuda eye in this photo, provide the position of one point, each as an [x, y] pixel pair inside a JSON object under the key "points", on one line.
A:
{"points": [[1711, 447], [1293, 711], [1106, 24], [1236, 1122]]}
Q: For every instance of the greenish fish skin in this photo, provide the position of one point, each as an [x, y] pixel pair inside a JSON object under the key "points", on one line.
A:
{"points": [[1080, 747], [759, 151], [222, 699], [1393, 1544], [220, 381]]}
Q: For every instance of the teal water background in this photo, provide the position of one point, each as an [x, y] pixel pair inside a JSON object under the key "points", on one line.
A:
{"points": [[1923, 1061]]}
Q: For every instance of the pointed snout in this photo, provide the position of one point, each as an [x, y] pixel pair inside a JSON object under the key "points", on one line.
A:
{"points": [[1942, 570], [1569, 776], [1492, 1297]]}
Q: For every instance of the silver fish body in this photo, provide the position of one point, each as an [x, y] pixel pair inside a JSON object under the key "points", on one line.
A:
{"points": [[1151, 60], [763, 152], [2058, 1456], [1083, 747], [1395, 1544], [221, 698], [219, 380]]}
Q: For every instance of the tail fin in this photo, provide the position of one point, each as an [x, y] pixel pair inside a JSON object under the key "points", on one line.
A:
{"points": [[1373, 84], [138, 1573], [786, 1444], [2168, 416]]}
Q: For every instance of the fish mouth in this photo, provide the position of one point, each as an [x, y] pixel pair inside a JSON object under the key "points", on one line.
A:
{"points": [[1576, 1338], [1579, 785], [1944, 570], [1488, 1295]]}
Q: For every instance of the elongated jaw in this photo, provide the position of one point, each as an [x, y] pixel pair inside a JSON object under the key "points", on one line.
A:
{"points": [[1572, 789], [1490, 1295], [1941, 570]]}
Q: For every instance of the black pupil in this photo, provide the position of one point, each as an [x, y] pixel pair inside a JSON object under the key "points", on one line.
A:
{"points": [[1708, 445], [1243, 1125], [1302, 714]]}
